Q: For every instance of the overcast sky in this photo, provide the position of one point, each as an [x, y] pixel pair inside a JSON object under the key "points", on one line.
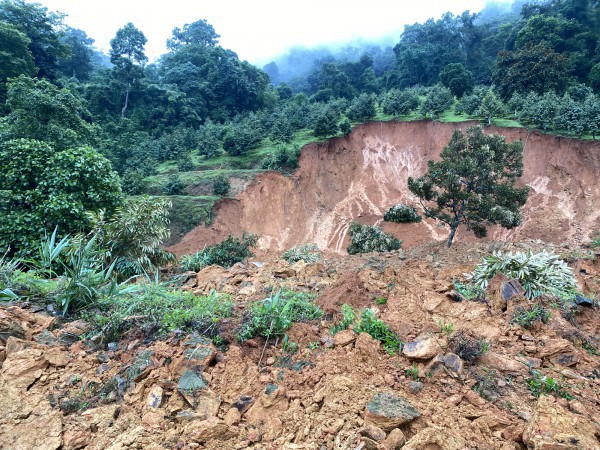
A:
{"points": [[256, 30]]}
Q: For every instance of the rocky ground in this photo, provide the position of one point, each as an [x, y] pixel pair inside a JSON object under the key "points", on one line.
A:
{"points": [[60, 391]]}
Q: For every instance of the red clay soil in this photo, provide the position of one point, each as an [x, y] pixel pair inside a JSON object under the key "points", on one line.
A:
{"points": [[358, 177]]}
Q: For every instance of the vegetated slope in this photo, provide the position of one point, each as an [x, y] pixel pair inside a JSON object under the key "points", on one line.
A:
{"points": [[358, 177]]}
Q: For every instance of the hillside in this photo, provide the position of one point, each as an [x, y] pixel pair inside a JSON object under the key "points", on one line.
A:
{"points": [[360, 176]]}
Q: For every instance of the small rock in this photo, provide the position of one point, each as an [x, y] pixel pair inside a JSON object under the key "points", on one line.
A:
{"points": [[474, 399], [202, 431], [185, 416], [510, 288], [373, 432], [567, 373], [421, 349], [102, 357], [453, 362], [395, 440], [415, 386], [155, 396], [388, 411], [370, 444], [577, 407], [454, 399], [112, 346], [327, 341], [46, 338], [232, 417], [102, 368], [455, 296], [525, 415], [189, 386], [583, 301], [343, 338], [270, 361], [243, 403]]}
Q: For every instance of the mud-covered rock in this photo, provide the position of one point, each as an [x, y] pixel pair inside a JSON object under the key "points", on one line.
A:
{"points": [[422, 349], [388, 411], [553, 427]]}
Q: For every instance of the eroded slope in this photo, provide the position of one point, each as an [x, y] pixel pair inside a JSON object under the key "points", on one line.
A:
{"points": [[360, 176]]}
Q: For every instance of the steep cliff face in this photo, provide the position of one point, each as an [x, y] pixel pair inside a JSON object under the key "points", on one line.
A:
{"points": [[360, 176]]}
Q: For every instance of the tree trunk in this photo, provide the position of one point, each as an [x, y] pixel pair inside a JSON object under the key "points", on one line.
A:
{"points": [[452, 233], [124, 109]]}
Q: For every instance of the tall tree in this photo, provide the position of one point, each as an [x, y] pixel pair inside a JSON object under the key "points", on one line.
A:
{"points": [[15, 57], [198, 33], [43, 28], [78, 63], [473, 184], [127, 54]]}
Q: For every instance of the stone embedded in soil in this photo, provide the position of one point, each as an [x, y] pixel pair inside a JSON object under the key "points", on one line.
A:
{"points": [[190, 384], [201, 431], [510, 289], [388, 411], [415, 386], [343, 338], [243, 403], [395, 440], [583, 301], [372, 431], [554, 427], [453, 362], [155, 396], [421, 349]]}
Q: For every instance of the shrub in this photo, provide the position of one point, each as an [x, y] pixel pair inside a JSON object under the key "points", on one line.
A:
{"points": [[545, 385], [365, 238], [539, 273], [348, 318], [232, 250], [273, 316], [283, 158], [469, 291], [221, 185], [345, 126], [174, 185], [362, 108], [398, 103], [402, 213], [468, 348], [157, 309], [438, 100], [370, 324], [309, 253], [528, 316]]}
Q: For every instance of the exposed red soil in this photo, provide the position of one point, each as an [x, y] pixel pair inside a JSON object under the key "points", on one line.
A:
{"points": [[360, 176], [317, 398]]}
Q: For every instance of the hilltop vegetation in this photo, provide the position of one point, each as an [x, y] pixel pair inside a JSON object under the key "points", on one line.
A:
{"points": [[199, 117]]}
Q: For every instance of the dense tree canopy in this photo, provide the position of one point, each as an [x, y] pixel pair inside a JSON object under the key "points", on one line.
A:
{"points": [[473, 183]]}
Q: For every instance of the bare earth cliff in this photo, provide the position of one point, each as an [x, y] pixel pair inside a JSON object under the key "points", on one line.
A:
{"points": [[360, 176]]}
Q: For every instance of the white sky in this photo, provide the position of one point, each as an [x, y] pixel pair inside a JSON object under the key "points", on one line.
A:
{"points": [[257, 30]]}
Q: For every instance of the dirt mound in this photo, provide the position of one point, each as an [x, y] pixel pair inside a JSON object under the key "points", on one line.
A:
{"points": [[358, 177], [349, 289], [61, 392]]}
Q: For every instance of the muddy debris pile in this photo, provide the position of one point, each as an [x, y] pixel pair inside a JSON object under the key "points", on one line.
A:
{"points": [[465, 377]]}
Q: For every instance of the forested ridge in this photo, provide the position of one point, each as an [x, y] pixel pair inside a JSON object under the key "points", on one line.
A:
{"points": [[198, 117]]}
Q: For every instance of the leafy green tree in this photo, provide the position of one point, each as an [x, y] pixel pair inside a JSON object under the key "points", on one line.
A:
{"points": [[327, 122], [362, 108], [457, 78], [345, 126], [198, 33], [15, 57], [473, 184], [595, 78], [127, 54], [535, 68], [43, 189], [38, 109], [438, 100], [41, 27], [131, 237], [78, 63], [490, 107], [398, 103], [591, 115], [541, 110], [221, 185]]}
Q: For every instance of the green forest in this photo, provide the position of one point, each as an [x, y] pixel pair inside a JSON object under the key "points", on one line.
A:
{"points": [[83, 133]]}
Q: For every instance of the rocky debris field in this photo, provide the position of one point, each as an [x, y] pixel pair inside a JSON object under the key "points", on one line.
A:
{"points": [[61, 390]]}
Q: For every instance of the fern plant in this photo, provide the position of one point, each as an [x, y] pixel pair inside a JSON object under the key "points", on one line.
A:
{"points": [[538, 273]]}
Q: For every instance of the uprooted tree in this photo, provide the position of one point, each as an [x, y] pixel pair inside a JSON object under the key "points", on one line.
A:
{"points": [[474, 183]]}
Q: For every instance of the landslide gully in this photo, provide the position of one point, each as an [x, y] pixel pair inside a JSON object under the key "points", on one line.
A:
{"points": [[358, 177]]}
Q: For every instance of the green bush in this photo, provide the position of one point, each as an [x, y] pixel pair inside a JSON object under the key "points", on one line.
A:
{"points": [[273, 316], [539, 273], [221, 185], [365, 238], [528, 316], [398, 103], [157, 309], [232, 250], [545, 385], [309, 253], [362, 108], [370, 324], [174, 185], [348, 318], [402, 213]]}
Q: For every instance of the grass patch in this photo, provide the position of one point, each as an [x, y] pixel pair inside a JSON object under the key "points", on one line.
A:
{"points": [[273, 316], [379, 330], [528, 316], [157, 310]]}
